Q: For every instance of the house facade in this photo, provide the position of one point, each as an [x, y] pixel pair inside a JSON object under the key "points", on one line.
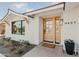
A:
{"points": [[2, 29], [52, 24]]}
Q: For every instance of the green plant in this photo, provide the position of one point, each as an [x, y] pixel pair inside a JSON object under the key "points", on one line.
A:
{"points": [[26, 43], [14, 43], [7, 43], [1, 42], [19, 50], [12, 48]]}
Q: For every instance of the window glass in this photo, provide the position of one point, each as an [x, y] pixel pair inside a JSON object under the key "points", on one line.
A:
{"points": [[23, 27], [18, 27]]}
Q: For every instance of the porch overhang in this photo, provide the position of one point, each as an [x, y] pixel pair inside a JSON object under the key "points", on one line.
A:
{"points": [[52, 7]]}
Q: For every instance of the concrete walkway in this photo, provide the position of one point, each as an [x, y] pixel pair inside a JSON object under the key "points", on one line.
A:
{"points": [[41, 51]]}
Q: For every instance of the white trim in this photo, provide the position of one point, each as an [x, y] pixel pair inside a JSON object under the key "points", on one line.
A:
{"points": [[10, 11]]}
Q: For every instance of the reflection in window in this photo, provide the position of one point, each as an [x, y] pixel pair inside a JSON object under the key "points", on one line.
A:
{"points": [[49, 22], [23, 27], [49, 25], [18, 27]]}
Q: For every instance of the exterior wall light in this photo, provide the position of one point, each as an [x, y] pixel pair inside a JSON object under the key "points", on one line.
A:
{"points": [[61, 22]]}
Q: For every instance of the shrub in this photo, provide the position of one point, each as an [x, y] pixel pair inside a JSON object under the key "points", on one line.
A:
{"points": [[19, 50], [1, 42], [26, 43], [15, 46], [14, 43], [7, 43], [12, 48]]}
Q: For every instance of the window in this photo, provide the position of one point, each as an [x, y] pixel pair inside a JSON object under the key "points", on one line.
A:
{"points": [[49, 25], [18, 27]]}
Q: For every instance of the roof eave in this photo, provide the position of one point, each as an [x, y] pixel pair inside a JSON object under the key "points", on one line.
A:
{"points": [[45, 9], [11, 11]]}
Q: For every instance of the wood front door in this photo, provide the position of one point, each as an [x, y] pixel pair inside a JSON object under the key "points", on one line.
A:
{"points": [[52, 30]]}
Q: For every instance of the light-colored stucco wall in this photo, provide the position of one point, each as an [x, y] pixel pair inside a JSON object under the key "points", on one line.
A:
{"points": [[71, 31], [31, 29], [34, 30], [8, 32]]}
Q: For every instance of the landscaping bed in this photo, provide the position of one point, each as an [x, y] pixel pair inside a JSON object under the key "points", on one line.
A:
{"points": [[12, 48]]}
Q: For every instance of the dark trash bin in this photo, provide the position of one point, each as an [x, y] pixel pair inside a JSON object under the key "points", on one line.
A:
{"points": [[69, 46]]}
